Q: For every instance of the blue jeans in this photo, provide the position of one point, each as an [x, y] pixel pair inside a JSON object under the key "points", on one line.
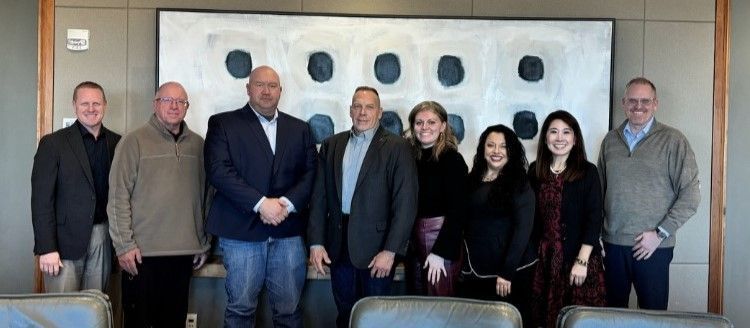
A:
{"points": [[279, 265], [350, 284], [649, 277]]}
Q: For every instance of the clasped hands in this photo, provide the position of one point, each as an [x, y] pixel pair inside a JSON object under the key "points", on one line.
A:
{"points": [[273, 211]]}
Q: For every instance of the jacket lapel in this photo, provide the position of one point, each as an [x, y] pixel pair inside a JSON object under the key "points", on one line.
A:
{"points": [[281, 141], [256, 130], [75, 141], [338, 162], [378, 140], [111, 143]]}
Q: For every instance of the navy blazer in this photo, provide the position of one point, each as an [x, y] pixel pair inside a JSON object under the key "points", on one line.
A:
{"points": [[242, 169], [384, 203], [581, 213], [63, 198]]}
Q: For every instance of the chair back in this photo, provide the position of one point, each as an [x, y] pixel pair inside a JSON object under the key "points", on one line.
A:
{"points": [[595, 317], [90, 308], [422, 311]]}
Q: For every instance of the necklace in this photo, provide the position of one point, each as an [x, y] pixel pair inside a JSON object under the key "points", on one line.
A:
{"points": [[558, 171], [489, 177]]}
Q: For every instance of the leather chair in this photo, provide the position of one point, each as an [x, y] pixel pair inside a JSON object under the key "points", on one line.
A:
{"points": [[421, 311], [596, 317], [90, 308]]}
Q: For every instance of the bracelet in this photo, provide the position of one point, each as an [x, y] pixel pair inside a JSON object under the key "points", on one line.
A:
{"points": [[581, 262]]}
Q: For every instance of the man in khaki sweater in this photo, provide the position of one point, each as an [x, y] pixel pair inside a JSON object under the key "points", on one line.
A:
{"points": [[156, 202], [651, 188]]}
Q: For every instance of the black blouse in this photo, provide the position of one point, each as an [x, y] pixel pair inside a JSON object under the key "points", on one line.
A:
{"points": [[498, 240], [442, 192]]}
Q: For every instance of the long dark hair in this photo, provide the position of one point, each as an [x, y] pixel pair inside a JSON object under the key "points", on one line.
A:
{"points": [[576, 162], [446, 140], [512, 177]]}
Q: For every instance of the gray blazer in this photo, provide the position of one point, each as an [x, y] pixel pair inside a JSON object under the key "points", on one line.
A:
{"points": [[63, 198], [384, 203]]}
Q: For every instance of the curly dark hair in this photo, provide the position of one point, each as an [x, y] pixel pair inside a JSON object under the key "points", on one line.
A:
{"points": [[512, 177]]}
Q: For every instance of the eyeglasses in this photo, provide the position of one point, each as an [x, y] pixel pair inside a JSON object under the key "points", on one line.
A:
{"points": [[170, 101], [632, 102]]}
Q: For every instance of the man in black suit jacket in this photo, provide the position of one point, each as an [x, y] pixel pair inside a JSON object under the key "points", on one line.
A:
{"points": [[363, 205], [262, 164], [69, 197]]}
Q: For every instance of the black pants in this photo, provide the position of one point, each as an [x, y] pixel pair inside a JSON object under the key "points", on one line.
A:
{"points": [[158, 295], [520, 287]]}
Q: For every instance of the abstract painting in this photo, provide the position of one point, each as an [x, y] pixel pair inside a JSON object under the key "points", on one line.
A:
{"points": [[483, 71]]}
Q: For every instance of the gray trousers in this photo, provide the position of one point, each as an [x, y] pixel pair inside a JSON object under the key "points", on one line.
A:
{"points": [[89, 272]]}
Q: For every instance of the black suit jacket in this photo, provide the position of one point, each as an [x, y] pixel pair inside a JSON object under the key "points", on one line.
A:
{"points": [[241, 167], [63, 198], [581, 213], [384, 202]]}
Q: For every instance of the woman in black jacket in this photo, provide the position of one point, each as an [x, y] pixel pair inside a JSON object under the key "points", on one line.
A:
{"points": [[568, 221], [499, 254]]}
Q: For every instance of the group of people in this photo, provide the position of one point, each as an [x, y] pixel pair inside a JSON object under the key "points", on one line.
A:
{"points": [[531, 235]]}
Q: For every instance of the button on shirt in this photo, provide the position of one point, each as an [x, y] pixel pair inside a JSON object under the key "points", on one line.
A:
{"points": [[634, 139], [354, 155], [269, 127], [98, 156]]}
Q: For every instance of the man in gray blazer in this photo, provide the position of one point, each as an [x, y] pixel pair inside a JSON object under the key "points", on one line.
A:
{"points": [[69, 185], [363, 205]]}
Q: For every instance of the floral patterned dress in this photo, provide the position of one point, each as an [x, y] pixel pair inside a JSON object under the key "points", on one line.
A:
{"points": [[551, 287]]}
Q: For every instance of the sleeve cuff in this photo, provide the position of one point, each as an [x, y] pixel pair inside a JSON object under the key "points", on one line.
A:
{"points": [[256, 208], [290, 206]]}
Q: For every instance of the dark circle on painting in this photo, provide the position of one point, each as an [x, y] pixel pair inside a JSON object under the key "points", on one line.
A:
{"points": [[387, 68], [320, 66], [321, 127], [525, 124], [450, 71], [239, 64], [391, 122], [531, 68], [457, 125]]}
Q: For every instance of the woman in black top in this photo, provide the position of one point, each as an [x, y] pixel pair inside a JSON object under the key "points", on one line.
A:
{"points": [[569, 221], [434, 263], [497, 235]]}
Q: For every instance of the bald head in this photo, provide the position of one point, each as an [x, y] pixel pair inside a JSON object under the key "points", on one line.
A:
{"points": [[264, 90]]}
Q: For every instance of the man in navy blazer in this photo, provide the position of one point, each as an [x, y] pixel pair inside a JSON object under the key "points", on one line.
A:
{"points": [[69, 185], [262, 164], [364, 205]]}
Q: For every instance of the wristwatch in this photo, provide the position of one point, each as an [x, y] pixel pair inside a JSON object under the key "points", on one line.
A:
{"points": [[663, 234]]}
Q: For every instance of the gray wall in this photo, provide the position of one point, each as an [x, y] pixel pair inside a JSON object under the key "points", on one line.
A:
{"points": [[737, 258], [669, 41], [18, 30]]}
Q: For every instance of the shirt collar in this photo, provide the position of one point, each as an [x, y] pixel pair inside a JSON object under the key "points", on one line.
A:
{"points": [[367, 134], [263, 118], [643, 131], [84, 131]]}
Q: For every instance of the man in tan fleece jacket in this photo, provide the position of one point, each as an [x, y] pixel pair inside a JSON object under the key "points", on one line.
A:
{"points": [[156, 202]]}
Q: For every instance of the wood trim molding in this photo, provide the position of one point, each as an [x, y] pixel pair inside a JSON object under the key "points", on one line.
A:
{"points": [[719, 159], [45, 81]]}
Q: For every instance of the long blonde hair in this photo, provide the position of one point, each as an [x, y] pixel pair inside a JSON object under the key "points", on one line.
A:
{"points": [[446, 140]]}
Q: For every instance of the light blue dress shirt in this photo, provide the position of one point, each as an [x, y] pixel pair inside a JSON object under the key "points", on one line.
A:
{"points": [[633, 139], [354, 155]]}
